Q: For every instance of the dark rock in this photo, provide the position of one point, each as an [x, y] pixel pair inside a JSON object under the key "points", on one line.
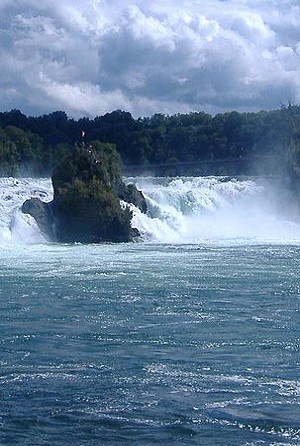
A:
{"points": [[135, 234], [43, 215], [130, 194]]}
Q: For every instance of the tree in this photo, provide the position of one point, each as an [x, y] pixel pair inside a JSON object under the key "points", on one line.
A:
{"points": [[86, 204]]}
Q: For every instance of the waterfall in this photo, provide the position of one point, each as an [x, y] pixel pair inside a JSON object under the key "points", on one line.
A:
{"points": [[193, 210], [16, 227], [180, 210]]}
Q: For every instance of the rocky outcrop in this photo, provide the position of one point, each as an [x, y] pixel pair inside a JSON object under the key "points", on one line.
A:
{"points": [[130, 194], [86, 207], [43, 215]]}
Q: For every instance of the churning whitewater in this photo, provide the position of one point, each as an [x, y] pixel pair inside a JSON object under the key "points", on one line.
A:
{"points": [[15, 226], [180, 210]]}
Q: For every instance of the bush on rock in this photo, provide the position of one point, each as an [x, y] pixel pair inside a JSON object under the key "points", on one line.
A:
{"points": [[86, 206]]}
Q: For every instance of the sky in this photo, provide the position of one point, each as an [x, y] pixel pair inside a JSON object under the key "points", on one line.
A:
{"points": [[90, 57]]}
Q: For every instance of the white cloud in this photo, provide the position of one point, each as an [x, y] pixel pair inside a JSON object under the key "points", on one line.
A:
{"points": [[90, 57]]}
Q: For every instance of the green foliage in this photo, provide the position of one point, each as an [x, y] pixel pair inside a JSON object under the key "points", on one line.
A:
{"points": [[20, 151], [86, 162], [193, 138], [85, 202], [293, 158], [91, 213]]}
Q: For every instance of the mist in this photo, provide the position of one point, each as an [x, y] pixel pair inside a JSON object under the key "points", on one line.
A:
{"points": [[204, 209]]}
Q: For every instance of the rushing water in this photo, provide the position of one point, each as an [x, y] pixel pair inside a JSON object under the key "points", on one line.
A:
{"points": [[190, 337]]}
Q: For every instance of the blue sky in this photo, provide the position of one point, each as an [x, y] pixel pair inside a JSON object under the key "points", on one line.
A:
{"points": [[92, 57]]}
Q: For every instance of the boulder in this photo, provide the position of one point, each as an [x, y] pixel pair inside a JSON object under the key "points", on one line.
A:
{"points": [[130, 194], [43, 215]]}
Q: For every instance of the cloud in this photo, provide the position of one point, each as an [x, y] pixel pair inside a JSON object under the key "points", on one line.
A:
{"points": [[91, 57]]}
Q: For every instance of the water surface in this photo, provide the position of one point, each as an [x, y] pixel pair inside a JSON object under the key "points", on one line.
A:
{"points": [[148, 344]]}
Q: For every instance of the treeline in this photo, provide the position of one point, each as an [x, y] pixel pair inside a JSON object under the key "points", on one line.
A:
{"points": [[196, 142]]}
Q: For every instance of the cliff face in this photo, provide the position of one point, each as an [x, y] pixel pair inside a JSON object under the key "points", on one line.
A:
{"points": [[86, 206]]}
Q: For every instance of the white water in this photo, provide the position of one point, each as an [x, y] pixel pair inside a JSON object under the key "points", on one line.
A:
{"points": [[16, 227], [206, 209], [182, 210]]}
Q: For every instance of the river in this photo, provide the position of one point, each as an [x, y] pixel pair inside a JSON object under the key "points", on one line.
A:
{"points": [[189, 337]]}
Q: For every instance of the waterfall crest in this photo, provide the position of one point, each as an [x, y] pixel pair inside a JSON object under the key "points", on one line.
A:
{"points": [[180, 210], [193, 210]]}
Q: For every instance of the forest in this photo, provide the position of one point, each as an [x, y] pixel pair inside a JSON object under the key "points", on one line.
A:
{"points": [[235, 143]]}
